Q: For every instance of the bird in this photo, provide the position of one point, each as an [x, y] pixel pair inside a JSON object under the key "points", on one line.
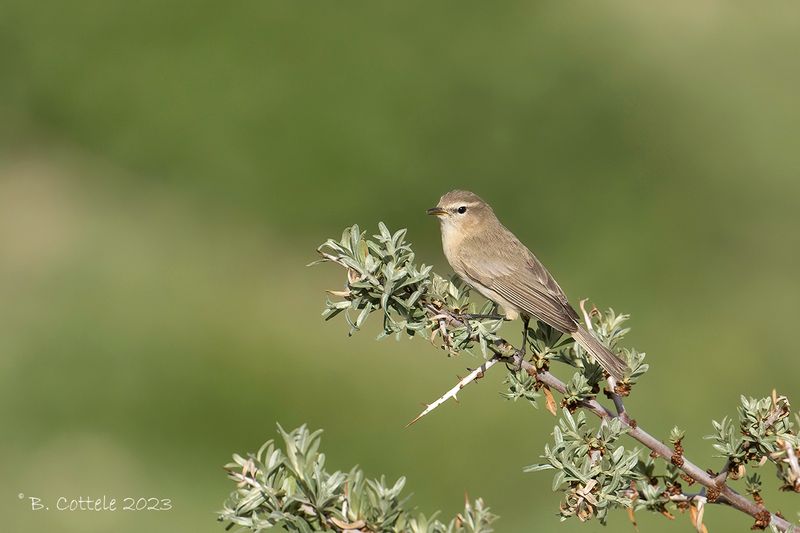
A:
{"points": [[491, 259]]}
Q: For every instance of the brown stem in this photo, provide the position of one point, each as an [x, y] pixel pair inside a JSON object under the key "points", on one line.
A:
{"points": [[731, 497]]}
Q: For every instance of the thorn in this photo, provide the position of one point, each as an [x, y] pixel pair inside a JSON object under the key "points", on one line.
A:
{"points": [[632, 518], [413, 421]]}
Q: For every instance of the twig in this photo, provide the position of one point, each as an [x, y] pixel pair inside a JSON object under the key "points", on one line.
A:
{"points": [[734, 499], [616, 398], [722, 477]]}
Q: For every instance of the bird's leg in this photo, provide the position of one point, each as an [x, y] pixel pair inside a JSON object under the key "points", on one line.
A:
{"points": [[521, 352]]}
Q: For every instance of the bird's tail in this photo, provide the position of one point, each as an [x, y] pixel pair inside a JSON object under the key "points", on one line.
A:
{"points": [[607, 359]]}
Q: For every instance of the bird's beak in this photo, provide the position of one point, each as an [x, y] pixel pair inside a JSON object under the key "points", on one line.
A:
{"points": [[437, 211]]}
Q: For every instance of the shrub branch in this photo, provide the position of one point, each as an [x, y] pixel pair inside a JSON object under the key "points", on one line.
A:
{"points": [[726, 496], [593, 470]]}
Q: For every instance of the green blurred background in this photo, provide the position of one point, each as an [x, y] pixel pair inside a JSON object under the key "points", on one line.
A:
{"points": [[166, 170]]}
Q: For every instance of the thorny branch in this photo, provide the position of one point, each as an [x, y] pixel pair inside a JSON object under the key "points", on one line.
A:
{"points": [[594, 473]]}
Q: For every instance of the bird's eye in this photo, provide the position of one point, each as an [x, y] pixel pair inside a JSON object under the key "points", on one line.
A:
{"points": [[461, 210]]}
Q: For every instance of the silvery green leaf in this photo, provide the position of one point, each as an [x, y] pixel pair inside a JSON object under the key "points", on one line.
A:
{"points": [[558, 479], [355, 237], [385, 233], [537, 467], [484, 346], [362, 316]]}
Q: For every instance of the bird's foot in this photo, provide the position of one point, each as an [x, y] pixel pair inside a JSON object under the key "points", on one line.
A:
{"points": [[517, 360]]}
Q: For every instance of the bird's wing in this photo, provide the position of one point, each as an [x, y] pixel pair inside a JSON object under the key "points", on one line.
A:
{"points": [[529, 286]]}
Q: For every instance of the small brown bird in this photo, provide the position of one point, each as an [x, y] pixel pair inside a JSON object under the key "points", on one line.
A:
{"points": [[491, 259]]}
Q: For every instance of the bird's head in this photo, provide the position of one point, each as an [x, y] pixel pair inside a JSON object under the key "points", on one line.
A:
{"points": [[463, 211]]}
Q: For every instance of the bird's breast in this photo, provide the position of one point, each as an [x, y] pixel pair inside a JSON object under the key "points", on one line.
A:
{"points": [[451, 243]]}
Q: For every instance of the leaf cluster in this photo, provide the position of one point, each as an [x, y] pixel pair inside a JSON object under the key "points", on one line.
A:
{"points": [[382, 276], [289, 488], [764, 432], [593, 472]]}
